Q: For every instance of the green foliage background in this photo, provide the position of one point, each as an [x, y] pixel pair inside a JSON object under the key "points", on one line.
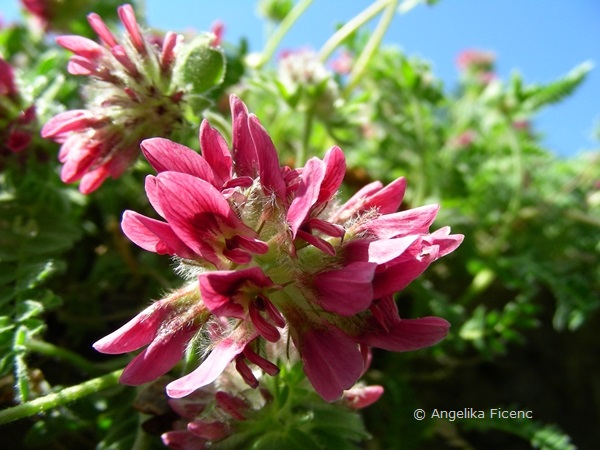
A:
{"points": [[522, 292]]}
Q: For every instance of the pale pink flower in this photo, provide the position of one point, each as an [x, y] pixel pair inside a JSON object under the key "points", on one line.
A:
{"points": [[360, 396], [130, 96], [342, 63], [473, 59], [271, 253]]}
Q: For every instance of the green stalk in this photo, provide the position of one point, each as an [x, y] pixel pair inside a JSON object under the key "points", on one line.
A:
{"points": [[350, 27], [302, 151], [53, 351], [514, 205], [283, 28], [360, 66], [67, 395], [21, 372]]}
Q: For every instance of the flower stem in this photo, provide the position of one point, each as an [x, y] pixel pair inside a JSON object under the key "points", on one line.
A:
{"points": [[60, 398], [54, 351], [360, 66], [352, 25], [283, 28], [302, 150]]}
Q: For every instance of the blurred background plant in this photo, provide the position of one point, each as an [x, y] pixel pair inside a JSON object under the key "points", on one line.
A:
{"points": [[521, 293]]}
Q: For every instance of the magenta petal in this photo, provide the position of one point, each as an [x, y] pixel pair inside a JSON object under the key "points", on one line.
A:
{"points": [[136, 333], [209, 430], [167, 54], [151, 187], [7, 78], [183, 440], [307, 194], [222, 290], [321, 244], [216, 152], [158, 358], [335, 170], [408, 334], [75, 167], [385, 250], [346, 291], [154, 235], [412, 221], [198, 214], [271, 178], [101, 29], [354, 203], [388, 199], [127, 16], [66, 122], [328, 228], [396, 277], [164, 155], [244, 151], [332, 361], [79, 65], [81, 46], [250, 244], [385, 311], [93, 179], [360, 397], [263, 327], [224, 352], [446, 241]]}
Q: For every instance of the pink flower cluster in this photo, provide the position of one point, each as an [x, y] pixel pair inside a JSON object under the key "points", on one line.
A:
{"points": [[272, 255], [475, 59], [15, 119], [130, 97], [477, 64]]}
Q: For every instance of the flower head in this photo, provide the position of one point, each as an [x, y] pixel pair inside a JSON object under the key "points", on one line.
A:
{"points": [[271, 253], [135, 91], [305, 77], [477, 65]]}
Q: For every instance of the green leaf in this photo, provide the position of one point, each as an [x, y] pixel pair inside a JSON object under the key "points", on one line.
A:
{"points": [[200, 66], [539, 96]]}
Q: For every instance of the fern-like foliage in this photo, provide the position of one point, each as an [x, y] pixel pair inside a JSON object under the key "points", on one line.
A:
{"points": [[537, 96], [540, 435]]}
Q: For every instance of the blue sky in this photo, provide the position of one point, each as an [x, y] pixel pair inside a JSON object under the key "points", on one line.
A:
{"points": [[541, 39]]}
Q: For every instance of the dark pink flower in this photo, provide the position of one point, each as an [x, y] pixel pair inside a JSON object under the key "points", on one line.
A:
{"points": [[129, 96], [165, 329], [16, 117], [270, 253]]}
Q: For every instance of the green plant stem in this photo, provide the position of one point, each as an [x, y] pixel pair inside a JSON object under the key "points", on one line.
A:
{"points": [[350, 27], [302, 151], [360, 66], [63, 397], [21, 372], [80, 362], [514, 205], [283, 28]]}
